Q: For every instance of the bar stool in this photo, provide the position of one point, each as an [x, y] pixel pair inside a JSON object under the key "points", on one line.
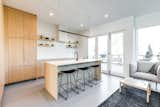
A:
{"points": [[60, 74], [86, 80], [70, 84]]}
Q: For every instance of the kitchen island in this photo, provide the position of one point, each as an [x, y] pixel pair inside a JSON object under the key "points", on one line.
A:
{"points": [[52, 68]]}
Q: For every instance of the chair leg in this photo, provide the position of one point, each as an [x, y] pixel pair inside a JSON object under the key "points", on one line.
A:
{"points": [[156, 85]]}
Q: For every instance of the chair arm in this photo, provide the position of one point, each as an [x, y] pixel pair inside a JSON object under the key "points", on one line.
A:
{"points": [[158, 72], [132, 69]]}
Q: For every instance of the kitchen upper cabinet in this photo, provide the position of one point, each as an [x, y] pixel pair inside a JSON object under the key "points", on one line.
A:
{"points": [[29, 52], [29, 26], [65, 37], [72, 38], [14, 23]]}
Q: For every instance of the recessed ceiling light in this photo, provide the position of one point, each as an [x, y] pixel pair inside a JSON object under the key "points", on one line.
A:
{"points": [[106, 15], [81, 25], [51, 14]]}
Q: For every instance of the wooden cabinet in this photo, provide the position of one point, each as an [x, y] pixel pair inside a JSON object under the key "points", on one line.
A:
{"points": [[29, 59], [20, 30], [22, 60], [14, 23], [2, 46], [15, 74], [29, 52], [29, 26], [40, 69], [29, 71], [15, 60], [2, 52], [15, 52]]}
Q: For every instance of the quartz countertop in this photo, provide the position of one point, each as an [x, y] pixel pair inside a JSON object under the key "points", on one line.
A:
{"points": [[70, 62]]}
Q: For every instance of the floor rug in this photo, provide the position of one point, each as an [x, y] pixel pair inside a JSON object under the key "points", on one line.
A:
{"points": [[131, 97]]}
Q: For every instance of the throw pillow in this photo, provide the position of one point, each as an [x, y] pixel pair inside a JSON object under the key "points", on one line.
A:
{"points": [[154, 68]]}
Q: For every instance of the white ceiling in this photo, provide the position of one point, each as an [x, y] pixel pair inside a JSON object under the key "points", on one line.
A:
{"points": [[71, 13]]}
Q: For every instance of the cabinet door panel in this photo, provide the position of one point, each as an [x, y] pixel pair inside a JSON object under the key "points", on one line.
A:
{"points": [[29, 52], [29, 72], [40, 69], [15, 23], [15, 60], [29, 25], [15, 52], [15, 74]]}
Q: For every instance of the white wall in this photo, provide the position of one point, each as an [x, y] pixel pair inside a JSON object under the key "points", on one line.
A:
{"points": [[83, 47], [44, 28], [126, 25], [59, 51], [147, 20]]}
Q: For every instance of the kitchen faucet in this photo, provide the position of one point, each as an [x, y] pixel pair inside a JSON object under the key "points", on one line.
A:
{"points": [[76, 55]]}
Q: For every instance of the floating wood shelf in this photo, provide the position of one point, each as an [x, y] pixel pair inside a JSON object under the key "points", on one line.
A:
{"points": [[44, 41]]}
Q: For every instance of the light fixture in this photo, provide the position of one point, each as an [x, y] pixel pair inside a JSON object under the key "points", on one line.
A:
{"points": [[81, 25], [106, 15], [51, 14]]}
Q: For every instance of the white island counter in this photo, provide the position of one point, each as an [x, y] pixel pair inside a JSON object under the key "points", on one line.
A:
{"points": [[53, 67]]}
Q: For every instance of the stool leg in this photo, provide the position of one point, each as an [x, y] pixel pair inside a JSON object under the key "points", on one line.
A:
{"points": [[84, 81], [61, 87], [60, 82], [67, 86], [80, 81], [89, 79], [75, 82]]}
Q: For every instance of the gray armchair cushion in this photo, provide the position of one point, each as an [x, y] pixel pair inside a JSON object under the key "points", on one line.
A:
{"points": [[146, 76], [141, 73], [144, 66]]}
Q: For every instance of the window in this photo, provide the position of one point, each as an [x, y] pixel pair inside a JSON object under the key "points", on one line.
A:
{"points": [[91, 47], [117, 47], [148, 42], [102, 46]]}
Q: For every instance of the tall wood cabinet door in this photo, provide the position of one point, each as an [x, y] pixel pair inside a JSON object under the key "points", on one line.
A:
{"points": [[15, 74], [29, 59], [29, 25], [2, 47], [29, 71], [15, 60], [15, 23], [1, 37], [40, 69], [30, 52], [15, 52]]}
